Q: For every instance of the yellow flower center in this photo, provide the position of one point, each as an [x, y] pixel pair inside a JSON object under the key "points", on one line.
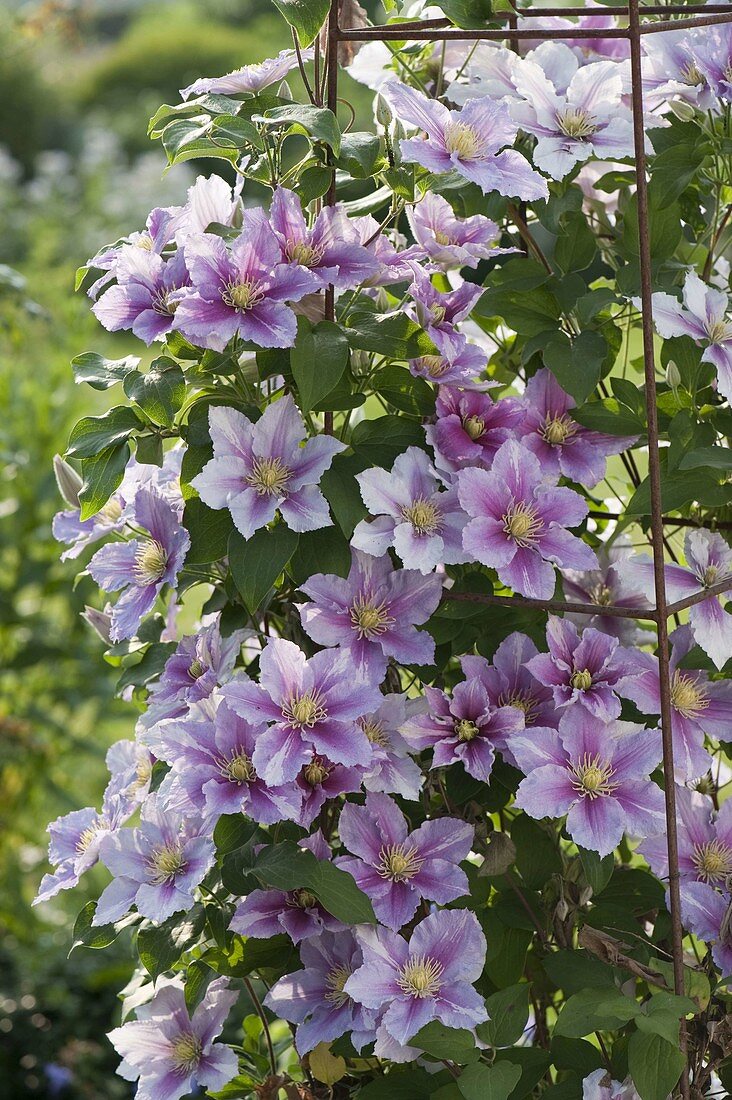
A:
{"points": [[151, 560], [474, 426], [442, 238], [719, 332], [302, 899], [420, 977], [461, 140], [526, 703], [581, 680], [165, 863], [268, 477], [305, 710], [374, 731], [186, 1052], [434, 365], [712, 860], [143, 771], [88, 835], [370, 619], [112, 510], [299, 252], [437, 314], [522, 523], [592, 777], [398, 863], [238, 769], [557, 429], [601, 595], [243, 296], [424, 516], [710, 576], [196, 669], [315, 772], [335, 979], [145, 242], [466, 730], [574, 122], [690, 74], [687, 695]]}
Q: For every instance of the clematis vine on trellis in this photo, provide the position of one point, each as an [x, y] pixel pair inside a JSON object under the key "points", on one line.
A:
{"points": [[419, 802]]}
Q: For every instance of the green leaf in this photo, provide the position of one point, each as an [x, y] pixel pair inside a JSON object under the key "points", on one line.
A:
{"points": [[232, 831], [149, 449], [380, 441], [96, 936], [467, 13], [318, 360], [716, 458], [576, 364], [597, 871], [160, 947], [537, 857], [595, 1010], [610, 417], [316, 122], [360, 154], [400, 388], [392, 334], [508, 1011], [210, 531], [674, 168], [93, 434], [489, 1082], [101, 373], [101, 475], [576, 248], [526, 314], [235, 131], [189, 138], [256, 563], [679, 488], [287, 867], [313, 183], [325, 551], [341, 490], [160, 392], [413, 1083], [655, 1065], [306, 16], [449, 1043]]}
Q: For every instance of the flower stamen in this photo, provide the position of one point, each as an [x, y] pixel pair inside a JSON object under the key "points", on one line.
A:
{"points": [[420, 977]]}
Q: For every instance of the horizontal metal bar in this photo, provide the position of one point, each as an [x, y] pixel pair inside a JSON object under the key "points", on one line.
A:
{"points": [[456, 34], [700, 596], [671, 521], [684, 24], [614, 610]]}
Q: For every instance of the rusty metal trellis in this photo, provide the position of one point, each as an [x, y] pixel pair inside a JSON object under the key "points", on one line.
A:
{"points": [[641, 19]]}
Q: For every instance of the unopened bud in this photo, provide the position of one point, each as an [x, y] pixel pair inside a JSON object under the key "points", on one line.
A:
{"points": [[585, 896], [683, 111], [284, 91], [382, 111], [248, 367], [673, 375], [68, 481], [382, 300], [99, 621], [562, 909]]}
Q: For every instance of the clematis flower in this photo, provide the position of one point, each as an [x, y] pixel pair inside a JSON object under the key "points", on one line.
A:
{"points": [[586, 670], [373, 614], [172, 1054], [394, 265], [75, 839], [156, 866], [298, 913], [210, 753], [158, 233], [704, 316], [487, 73], [77, 533], [561, 444], [143, 298], [242, 289], [589, 119], [396, 867], [141, 566], [250, 78], [439, 311], [467, 141], [508, 682], [705, 841], [699, 705], [428, 978], [422, 521], [210, 200], [130, 766], [392, 770], [600, 1086], [670, 71], [709, 562], [258, 469], [464, 729], [470, 427], [712, 50], [607, 585], [315, 999], [598, 775], [321, 780], [331, 250], [451, 241], [311, 705], [705, 912], [200, 664], [457, 364], [519, 522]]}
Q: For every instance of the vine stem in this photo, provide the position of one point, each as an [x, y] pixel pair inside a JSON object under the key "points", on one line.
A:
{"points": [[265, 1023]]}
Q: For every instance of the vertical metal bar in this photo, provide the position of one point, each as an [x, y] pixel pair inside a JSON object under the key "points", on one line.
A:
{"points": [[331, 102], [634, 27]]}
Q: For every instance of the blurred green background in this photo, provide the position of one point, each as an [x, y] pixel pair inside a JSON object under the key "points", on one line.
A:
{"points": [[78, 81]]}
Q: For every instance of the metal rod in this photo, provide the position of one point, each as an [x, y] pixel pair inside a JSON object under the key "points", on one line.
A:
{"points": [[683, 24], [615, 610], [671, 521], [457, 34], [331, 61], [699, 597], [654, 472]]}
